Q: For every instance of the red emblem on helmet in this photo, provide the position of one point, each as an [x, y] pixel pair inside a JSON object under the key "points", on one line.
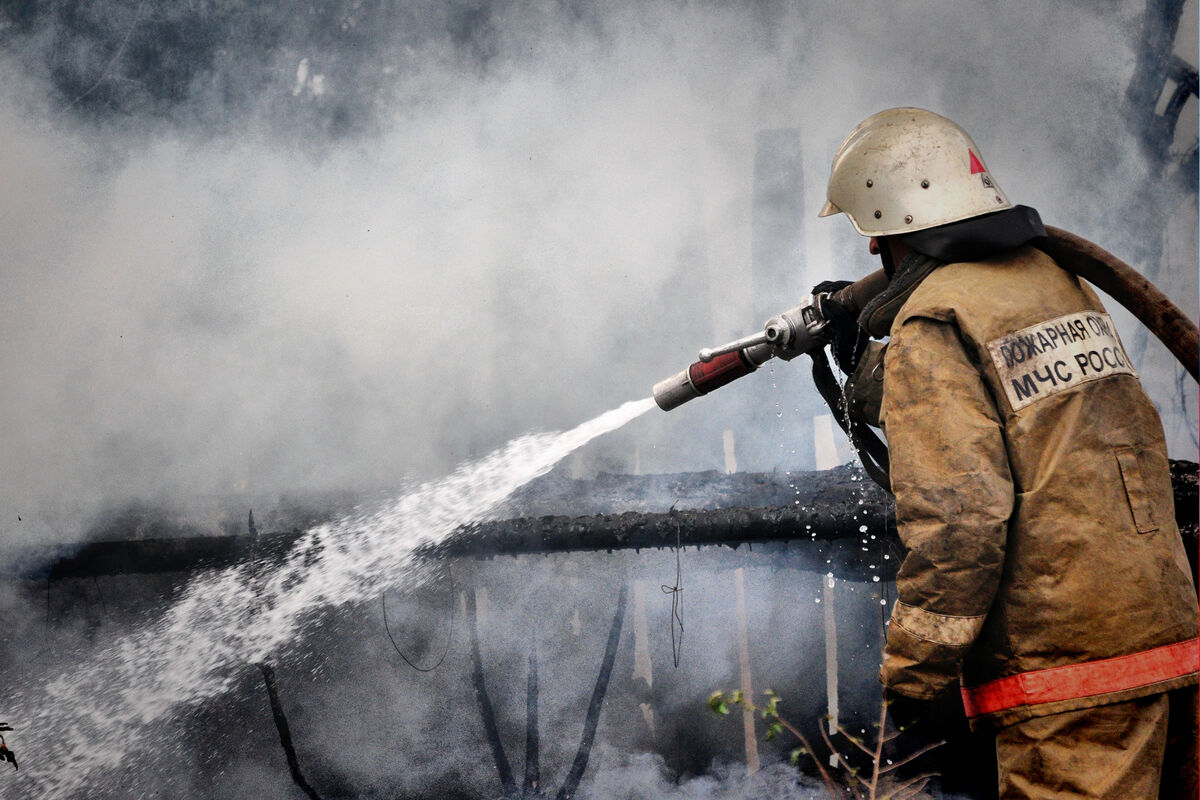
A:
{"points": [[976, 165]]}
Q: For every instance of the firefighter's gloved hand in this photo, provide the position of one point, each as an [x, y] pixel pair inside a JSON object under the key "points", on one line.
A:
{"points": [[905, 711], [829, 287], [849, 340]]}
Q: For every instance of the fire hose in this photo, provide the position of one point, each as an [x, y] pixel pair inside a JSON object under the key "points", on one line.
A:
{"points": [[807, 329]]}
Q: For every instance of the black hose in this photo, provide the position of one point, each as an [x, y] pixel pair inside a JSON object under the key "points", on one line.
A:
{"points": [[872, 452]]}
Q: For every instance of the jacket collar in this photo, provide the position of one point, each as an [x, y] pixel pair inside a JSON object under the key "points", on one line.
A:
{"points": [[878, 314]]}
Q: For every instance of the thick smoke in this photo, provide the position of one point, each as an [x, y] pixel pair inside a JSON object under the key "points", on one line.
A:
{"points": [[253, 251], [306, 248]]}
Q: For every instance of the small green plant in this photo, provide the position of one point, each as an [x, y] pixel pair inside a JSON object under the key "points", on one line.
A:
{"points": [[875, 782]]}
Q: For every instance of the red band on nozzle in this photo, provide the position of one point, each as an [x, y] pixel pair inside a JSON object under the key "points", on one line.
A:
{"points": [[723, 369]]}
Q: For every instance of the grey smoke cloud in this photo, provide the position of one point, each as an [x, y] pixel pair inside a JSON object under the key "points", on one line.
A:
{"points": [[343, 255], [311, 251]]}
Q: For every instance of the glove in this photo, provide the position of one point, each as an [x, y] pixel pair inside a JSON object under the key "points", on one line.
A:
{"points": [[849, 340], [829, 287]]}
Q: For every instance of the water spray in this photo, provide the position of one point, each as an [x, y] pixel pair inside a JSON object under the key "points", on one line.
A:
{"points": [[803, 329], [86, 720]]}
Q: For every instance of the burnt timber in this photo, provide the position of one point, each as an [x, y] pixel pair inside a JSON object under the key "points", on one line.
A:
{"points": [[815, 520]]}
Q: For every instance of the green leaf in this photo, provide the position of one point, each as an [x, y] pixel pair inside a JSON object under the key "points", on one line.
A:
{"points": [[717, 704], [794, 759]]}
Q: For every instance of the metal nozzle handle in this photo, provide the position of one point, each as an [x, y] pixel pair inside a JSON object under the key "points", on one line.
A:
{"points": [[709, 353]]}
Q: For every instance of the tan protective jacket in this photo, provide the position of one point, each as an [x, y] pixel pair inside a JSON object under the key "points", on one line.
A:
{"points": [[1045, 569]]}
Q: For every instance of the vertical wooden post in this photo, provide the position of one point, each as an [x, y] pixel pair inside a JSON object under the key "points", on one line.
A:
{"points": [[752, 762], [831, 659], [533, 778], [825, 454], [643, 668], [826, 457], [481, 605], [730, 453]]}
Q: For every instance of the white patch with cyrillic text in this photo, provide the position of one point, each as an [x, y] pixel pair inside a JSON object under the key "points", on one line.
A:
{"points": [[1044, 359]]}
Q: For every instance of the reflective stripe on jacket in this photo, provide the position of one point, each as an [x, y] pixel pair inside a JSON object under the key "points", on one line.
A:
{"points": [[1032, 491], [1106, 677]]}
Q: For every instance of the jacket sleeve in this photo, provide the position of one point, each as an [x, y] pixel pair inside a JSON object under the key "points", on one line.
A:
{"points": [[954, 496]]}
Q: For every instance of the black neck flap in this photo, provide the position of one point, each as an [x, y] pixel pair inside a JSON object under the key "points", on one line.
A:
{"points": [[979, 237]]}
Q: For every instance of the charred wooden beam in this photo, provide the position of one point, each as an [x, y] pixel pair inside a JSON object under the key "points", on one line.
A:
{"points": [[825, 526], [1185, 479], [749, 507], [148, 556], [285, 733], [637, 531], [1156, 65], [812, 528], [575, 774]]}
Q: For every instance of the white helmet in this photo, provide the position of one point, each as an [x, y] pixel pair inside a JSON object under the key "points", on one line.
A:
{"points": [[906, 169]]}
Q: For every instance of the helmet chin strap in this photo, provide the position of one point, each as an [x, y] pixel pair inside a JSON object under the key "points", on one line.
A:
{"points": [[885, 255]]}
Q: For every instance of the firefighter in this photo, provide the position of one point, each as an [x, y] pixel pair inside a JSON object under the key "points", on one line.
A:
{"points": [[1045, 577]]}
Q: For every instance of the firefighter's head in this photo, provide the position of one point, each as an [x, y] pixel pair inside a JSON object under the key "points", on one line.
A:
{"points": [[907, 169]]}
